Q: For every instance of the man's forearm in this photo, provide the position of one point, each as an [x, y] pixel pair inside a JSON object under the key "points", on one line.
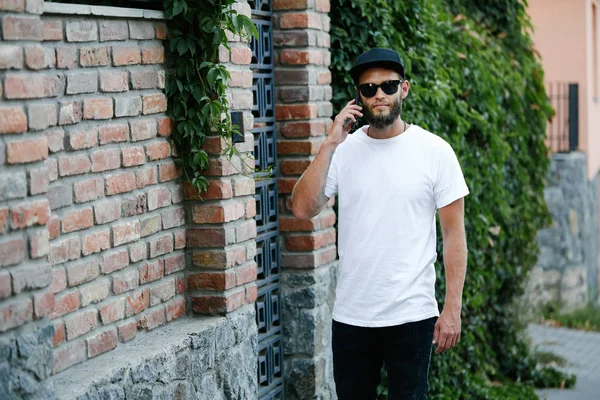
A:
{"points": [[455, 267], [308, 196]]}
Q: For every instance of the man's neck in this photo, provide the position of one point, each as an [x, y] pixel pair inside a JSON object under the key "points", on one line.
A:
{"points": [[397, 128]]}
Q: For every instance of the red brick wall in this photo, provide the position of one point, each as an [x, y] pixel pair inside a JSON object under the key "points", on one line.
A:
{"points": [[302, 78], [92, 216], [303, 112], [94, 220]]}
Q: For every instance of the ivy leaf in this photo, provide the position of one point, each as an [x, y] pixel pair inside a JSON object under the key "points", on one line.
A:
{"points": [[197, 159], [215, 109], [203, 159], [197, 93], [182, 46], [223, 75], [188, 129], [177, 109], [181, 70], [190, 70], [173, 43], [218, 37], [202, 183], [180, 127], [212, 75], [177, 7], [168, 85], [207, 25], [206, 110], [236, 24], [247, 26]]}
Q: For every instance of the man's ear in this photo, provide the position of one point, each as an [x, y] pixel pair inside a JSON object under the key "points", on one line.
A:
{"points": [[405, 89]]}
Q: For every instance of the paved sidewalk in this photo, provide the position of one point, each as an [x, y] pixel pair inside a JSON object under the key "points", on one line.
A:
{"points": [[581, 350]]}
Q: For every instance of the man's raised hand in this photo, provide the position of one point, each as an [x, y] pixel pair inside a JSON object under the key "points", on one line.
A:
{"points": [[342, 124]]}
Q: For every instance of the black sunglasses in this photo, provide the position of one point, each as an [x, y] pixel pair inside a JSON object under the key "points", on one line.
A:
{"points": [[370, 89]]}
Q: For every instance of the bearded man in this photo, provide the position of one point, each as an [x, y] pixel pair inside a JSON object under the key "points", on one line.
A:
{"points": [[391, 177]]}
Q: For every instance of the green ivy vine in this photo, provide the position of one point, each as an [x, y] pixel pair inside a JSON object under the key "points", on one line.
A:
{"points": [[196, 83]]}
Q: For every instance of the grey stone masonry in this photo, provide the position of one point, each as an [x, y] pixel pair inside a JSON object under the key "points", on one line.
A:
{"points": [[567, 267], [307, 305], [26, 364], [596, 184], [192, 358]]}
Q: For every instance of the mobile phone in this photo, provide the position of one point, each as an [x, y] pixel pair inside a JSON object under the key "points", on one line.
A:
{"points": [[356, 101]]}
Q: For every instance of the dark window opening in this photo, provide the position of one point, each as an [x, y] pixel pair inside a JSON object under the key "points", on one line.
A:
{"points": [[142, 4]]}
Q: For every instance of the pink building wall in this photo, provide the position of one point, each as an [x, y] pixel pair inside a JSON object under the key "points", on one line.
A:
{"points": [[564, 36], [593, 68]]}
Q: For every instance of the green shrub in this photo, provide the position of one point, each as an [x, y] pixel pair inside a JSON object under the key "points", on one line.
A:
{"points": [[547, 377], [475, 82]]}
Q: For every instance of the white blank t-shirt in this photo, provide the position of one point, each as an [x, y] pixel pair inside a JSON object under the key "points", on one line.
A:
{"points": [[388, 193]]}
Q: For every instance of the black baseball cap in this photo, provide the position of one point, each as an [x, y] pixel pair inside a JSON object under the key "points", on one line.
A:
{"points": [[383, 58]]}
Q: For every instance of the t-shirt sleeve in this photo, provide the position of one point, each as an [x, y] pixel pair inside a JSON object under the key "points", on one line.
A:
{"points": [[449, 183], [331, 185]]}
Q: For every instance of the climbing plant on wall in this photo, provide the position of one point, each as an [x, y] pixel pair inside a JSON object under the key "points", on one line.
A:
{"points": [[196, 83], [476, 82]]}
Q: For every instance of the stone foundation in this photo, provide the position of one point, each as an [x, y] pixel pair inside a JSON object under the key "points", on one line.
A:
{"points": [[192, 358], [26, 363], [307, 306], [567, 269]]}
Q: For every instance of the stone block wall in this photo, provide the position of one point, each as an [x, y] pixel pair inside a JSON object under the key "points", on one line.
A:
{"points": [[308, 251], [596, 184], [567, 269], [197, 359]]}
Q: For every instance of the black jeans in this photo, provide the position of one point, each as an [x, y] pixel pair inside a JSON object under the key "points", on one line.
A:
{"points": [[359, 354]]}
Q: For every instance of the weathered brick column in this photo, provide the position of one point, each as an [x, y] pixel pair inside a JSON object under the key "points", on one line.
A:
{"points": [[220, 240], [308, 256]]}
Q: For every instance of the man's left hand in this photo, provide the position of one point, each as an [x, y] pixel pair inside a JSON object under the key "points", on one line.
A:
{"points": [[447, 330]]}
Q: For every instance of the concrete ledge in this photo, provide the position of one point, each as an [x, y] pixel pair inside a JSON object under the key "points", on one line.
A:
{"points": [[189, 358], [83, 9]]}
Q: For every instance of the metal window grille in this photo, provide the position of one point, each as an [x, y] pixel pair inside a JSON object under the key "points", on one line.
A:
{"points": [[563, 129], [268, 302]]}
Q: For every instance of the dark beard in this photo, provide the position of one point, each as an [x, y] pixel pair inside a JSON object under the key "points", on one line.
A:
{"points": [[383, 121]]}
